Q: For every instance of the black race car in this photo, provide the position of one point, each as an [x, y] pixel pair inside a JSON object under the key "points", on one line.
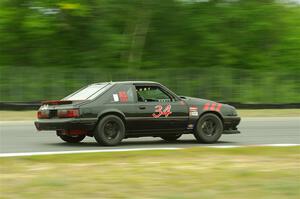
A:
{"points": [[113, 111]]}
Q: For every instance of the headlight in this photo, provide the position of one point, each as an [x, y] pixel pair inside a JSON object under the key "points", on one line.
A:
{"points": [[234, 112], [230, 111]]}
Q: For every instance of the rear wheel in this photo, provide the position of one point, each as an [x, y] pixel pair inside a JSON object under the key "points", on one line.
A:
{"points": [[171, 138], [110, 131], [72, 138], [209, 128]]}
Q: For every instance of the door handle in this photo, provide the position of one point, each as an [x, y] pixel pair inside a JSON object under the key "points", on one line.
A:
{"points": [[142, 107]]}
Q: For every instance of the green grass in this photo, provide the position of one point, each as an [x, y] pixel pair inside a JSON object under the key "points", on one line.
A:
{"points": [[17, 115], [270, 113], [31, 115], [255, 172]]}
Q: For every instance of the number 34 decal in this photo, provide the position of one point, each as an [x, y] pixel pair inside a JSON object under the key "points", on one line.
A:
{"points": [[159, 111]]}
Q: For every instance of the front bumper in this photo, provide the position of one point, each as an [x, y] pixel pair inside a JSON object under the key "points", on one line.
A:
{"points": [[230, 124], [65, 124]]}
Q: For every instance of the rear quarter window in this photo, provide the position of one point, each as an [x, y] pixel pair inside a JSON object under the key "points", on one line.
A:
{"points": [[123, 94]]}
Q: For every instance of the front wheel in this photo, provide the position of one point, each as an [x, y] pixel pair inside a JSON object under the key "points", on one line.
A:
{"points": [[209, 128], [110, 131], [171, 138], [72, 138]]}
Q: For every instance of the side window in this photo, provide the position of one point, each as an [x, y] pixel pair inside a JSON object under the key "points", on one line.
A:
{"points": [[152, 94], [124, 94]]}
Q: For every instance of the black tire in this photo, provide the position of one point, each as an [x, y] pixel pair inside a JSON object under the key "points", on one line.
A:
{"points": [[110, 131], [209, 128], [171, 138], [72, 139]]}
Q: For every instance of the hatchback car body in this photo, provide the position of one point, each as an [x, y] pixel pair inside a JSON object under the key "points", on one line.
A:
{"points": [[113, 111]]}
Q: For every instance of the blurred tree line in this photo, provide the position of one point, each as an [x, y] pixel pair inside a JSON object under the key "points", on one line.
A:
{"points": [[228, 50]]}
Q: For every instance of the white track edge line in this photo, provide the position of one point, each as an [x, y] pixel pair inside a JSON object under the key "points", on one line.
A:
{"points": [[136, 149], [81, 151], [254, 145]]}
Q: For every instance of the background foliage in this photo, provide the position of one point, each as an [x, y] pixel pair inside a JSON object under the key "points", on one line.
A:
{"points": [[241, 50]]}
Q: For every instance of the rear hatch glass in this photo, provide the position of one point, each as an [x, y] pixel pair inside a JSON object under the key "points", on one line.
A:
{"points": [[51, 108], [88, 93]]}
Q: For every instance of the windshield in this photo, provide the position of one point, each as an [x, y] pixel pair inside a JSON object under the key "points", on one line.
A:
{"points": [[88, 93]]}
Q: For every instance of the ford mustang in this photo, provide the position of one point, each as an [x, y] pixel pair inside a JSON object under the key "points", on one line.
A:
{"points": [[112, 111]]}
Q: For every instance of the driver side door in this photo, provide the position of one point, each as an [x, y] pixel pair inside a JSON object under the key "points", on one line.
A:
{"points": [[158, 110]]}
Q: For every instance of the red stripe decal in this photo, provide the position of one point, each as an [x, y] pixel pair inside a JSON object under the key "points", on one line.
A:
{"points": [[206, 106], [219, 107], [213, 106], [123, 96]]}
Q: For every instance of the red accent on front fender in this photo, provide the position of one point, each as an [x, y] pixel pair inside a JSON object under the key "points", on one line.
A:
{"points": [[219, 107], [212, 108], [206, 106]]}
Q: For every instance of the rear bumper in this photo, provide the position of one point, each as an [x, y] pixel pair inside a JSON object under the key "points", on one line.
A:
{"points": [[230, 124], [65, 124]]}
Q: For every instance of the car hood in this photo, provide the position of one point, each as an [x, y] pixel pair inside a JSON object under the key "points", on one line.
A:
{"points": [[195, 101], [225, 109]]}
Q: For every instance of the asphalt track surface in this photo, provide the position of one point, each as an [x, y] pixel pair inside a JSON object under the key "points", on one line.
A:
{"points": [[21, 136]]}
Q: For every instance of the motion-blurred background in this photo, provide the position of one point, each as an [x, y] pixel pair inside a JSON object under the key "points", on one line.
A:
{"points": [[228, 50]]}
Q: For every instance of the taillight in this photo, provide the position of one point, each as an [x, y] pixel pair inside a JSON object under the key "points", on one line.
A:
{"points": [[68, 113], [43, 114]]}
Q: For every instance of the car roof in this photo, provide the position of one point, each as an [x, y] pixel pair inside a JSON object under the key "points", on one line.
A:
{"points": [[147, 83], [129, 82]]}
